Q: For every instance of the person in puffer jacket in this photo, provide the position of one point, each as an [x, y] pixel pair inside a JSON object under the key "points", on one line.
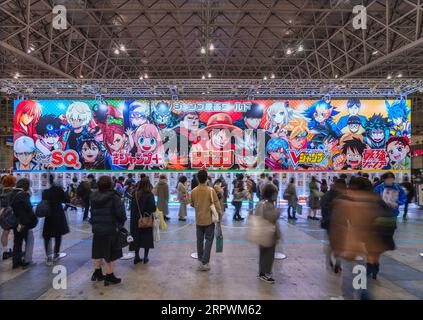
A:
{"points": [[392, 193], [107, 217]]}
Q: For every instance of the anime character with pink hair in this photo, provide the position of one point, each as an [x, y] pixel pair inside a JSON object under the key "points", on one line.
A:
{"points": [[149, 145]]}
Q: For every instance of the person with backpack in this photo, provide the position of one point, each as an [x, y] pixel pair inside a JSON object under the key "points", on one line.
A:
{"points": [[84, 192], [26, 219], [8, 184], [107, 218], [55, 224]]}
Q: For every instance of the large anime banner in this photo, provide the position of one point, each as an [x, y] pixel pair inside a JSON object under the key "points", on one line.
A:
{"points": [[282, 135]]}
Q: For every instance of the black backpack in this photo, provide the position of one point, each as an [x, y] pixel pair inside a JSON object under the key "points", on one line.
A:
{"points": [[8, 218]]}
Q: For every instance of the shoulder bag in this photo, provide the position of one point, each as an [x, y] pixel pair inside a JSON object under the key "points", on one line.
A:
{"points": [[215, 214], [146, 220]]}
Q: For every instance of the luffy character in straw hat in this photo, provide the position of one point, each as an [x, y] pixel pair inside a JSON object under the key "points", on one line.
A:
{"points": [[215, 142]]}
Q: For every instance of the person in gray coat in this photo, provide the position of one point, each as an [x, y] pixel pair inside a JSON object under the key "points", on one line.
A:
{"points": [[162, 192], [266, 209]]}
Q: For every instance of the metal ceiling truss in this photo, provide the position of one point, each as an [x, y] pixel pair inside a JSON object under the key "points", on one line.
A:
{"points": [[163, 39], [209, 89]]}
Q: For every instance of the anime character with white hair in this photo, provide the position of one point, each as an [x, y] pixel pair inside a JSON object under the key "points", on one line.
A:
{"points": [[278, 116], [24, 151], [78, 117]]}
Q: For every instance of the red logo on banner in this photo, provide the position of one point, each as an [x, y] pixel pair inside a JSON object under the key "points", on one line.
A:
{"points": [[374, 159], [68, 158], [212, 159]]}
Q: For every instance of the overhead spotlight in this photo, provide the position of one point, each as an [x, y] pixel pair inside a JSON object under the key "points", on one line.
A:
{"points": [[265, 78], [122, 47], [81, 76], [141, 78], [17, 75], [28, 51], [272, 76], [300, 48], [375, 52], [389, 77], [203, 50], [336, 76], [116, 51], [209, 75], [203, 77], [145, 76], [203, 93], [399, 75], [211, 47], [288, 51]]}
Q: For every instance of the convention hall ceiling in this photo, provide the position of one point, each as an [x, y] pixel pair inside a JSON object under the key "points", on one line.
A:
{"points": [[242, 39]]}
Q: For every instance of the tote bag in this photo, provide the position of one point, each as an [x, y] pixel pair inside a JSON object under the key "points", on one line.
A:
{"points": [[215, 215]]}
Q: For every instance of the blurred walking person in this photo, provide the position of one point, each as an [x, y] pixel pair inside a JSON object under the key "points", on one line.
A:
{"points": [[314, 199], [8, 184], [409, 190]]}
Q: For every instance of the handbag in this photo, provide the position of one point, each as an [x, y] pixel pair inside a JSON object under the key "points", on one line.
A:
{"points": [[219, 238], [299, 209], [261, 232], [145, 221], [123, 237], [215, 215], [43, 209]]}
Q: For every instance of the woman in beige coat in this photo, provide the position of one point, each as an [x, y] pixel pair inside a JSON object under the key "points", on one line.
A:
{"points": [[162, 192], [183, 198]]}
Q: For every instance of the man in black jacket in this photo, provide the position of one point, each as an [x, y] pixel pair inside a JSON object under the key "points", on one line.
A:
{"points": [[84, 191], [406, 184], [27, 220]]}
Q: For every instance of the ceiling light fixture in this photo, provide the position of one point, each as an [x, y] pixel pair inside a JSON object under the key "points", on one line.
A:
{"points": [[122, 47], [145, 76], [272, 76], [116, 51], [211, 47], [288, 51], [300, 48], [389, 77], [265, 78], [375, 52], [209, 75], [203, 50], [203, 77]]}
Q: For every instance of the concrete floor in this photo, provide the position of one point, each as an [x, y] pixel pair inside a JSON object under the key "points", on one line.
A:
{"points": [[171, 272]]}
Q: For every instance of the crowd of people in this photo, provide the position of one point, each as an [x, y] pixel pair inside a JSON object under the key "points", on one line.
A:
{"points": [[359, 215]]}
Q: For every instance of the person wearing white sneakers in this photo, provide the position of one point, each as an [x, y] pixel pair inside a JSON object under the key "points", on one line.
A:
{"points": [[202, 197]]}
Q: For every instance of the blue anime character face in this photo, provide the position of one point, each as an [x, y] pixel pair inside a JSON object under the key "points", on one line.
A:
{"points": [[321, 111], [163, 116], [398, 112]]}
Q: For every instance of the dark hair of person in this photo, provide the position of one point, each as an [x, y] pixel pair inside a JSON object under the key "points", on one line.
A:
{"points": [[270, 178], [324, 182], [183, 179], [51, 179], [90, 176], [343, 176], [406, 179], [75, 179], [360, 183], [269, 192], [129, 175], [24, 184], [121, 178], [143, 187], [202, 176], [340, 184], [104, 183], [163, 176], [366, 175], [292, 180], [389, 175]]}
